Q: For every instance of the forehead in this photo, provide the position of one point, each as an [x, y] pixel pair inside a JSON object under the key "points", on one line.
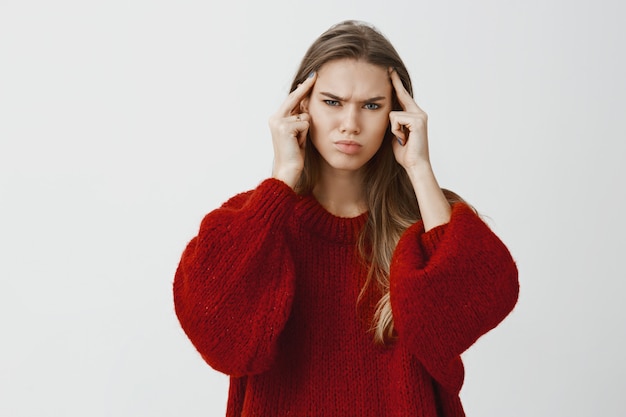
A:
{"points": [[351, 78]]}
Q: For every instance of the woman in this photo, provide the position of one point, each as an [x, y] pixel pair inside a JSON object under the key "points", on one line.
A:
{"points": [[349, 283]]}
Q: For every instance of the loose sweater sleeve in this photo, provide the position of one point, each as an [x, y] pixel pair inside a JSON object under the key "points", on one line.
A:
{"points": [[449, 286], [234, 285]]}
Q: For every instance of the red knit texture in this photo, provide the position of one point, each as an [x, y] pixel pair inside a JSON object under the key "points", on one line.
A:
{"points": [[267, 293]]}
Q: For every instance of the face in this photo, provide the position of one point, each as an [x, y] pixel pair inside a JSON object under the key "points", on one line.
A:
{"points": [[349, 108]]}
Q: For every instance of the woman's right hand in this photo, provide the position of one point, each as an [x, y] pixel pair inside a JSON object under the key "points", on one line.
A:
{"points": [[289, 128]]}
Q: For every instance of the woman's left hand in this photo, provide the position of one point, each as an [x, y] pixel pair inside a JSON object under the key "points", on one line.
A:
{"points": [[411, 151], [410, 128]]}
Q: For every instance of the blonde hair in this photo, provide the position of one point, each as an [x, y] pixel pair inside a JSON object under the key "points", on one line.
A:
{"points": [[390, 198]]}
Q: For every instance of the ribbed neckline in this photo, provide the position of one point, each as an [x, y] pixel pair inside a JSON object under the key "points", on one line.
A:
{"points": [[311, 215]]}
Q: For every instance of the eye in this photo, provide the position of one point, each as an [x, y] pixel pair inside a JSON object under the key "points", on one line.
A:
{"points": [[332, 102], [372, 106]]}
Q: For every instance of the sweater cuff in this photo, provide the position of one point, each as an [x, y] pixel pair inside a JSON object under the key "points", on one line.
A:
{"points": [[271, 200], [276, 188], [431, 239]]}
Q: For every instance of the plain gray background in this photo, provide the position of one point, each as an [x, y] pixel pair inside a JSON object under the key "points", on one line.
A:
{"points": [[123, 122]]}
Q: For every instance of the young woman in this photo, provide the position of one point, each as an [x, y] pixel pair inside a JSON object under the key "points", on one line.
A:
{"points": [[349, 283]]}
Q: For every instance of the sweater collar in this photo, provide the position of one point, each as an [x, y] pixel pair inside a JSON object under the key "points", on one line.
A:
{"points": [[311, 215]]}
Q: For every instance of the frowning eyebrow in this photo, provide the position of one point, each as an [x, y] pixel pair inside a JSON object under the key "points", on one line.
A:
{"points": [[369, 100]]}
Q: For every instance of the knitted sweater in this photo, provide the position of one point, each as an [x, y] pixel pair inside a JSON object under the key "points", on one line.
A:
{"points": [[267, 293]]}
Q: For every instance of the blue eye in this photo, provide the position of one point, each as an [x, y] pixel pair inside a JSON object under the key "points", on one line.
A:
{"points": [[332, 102], [372, 106]]}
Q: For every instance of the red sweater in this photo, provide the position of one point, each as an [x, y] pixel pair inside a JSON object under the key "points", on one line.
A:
{"points": [[267, 293]]}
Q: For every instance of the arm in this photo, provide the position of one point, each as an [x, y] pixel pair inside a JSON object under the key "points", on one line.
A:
{"points": [[449, 286], [235, 282], [411, 151], [451, 278]]}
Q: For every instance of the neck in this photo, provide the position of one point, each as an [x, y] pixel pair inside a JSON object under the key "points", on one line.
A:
{"points": [[340, 192]]}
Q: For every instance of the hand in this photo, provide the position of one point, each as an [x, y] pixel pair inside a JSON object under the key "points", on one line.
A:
{"points": [[289, 128], [410, 128], [411, 151]]}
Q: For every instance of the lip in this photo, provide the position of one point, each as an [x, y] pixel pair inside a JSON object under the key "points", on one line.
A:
{"points": [[349, 147]]}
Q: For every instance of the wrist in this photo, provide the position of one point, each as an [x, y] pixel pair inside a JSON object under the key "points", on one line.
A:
{"points": [[420, 173], [434, 206], [289, 177]]}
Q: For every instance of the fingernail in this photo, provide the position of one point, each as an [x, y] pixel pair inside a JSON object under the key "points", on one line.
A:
{"points": [[311, 74]]}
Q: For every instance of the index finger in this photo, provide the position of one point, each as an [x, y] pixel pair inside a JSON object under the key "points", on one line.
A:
{"points": [[295, 97], [406, 101]]}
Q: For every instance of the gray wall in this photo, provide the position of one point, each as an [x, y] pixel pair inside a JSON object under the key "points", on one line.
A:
{"points": [[123, 122]]}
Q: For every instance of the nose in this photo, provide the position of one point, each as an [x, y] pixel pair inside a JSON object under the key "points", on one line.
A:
{"points": [[350, 121]]}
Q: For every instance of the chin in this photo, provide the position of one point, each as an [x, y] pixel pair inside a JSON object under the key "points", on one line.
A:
{"points": [[348, 166]]}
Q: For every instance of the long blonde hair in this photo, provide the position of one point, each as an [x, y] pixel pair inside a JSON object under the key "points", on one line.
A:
{"points": [[390, 198]]}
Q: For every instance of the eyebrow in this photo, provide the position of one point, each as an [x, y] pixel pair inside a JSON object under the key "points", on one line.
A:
{"points": [[369, 100]]}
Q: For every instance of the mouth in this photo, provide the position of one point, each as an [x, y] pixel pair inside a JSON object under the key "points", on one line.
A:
{"points": [[349, 147]]}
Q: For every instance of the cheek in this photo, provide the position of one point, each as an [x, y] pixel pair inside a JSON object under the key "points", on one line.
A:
{"points": [[379, 130], [320, 119], [380, 123]]}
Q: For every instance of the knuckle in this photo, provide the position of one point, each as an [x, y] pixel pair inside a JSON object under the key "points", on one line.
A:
{"points": [[287, 129]]}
